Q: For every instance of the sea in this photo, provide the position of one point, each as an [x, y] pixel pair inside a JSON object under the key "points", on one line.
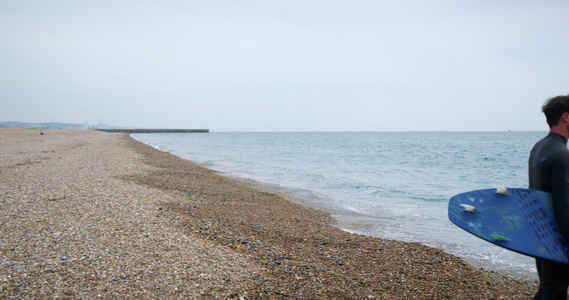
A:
{"points": [[393, 185]]}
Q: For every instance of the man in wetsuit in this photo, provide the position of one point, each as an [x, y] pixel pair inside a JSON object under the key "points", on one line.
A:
{"points": [[549, 171]]}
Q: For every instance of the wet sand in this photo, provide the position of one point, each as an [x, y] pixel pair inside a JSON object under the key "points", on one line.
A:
{"points": [[87, 214]]}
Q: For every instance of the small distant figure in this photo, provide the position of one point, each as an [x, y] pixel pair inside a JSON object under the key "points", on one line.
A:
{"points": [[41, 132]]}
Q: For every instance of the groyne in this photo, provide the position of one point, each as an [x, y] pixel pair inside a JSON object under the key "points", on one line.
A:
{"points": [[156, 130]]}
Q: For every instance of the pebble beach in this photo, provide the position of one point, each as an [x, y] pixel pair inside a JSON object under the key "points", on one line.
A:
{"points": [[93, 215]]}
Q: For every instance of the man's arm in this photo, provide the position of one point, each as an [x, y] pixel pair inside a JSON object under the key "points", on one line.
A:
{"points": [[560, 191]]}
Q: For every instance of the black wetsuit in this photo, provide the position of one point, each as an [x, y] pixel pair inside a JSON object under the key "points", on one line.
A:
{"points": [[549, 171]]}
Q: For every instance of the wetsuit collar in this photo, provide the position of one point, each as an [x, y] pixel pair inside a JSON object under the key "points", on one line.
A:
{"points": [[559, 136]]}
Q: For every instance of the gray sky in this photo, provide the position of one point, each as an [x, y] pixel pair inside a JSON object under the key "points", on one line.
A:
{"points": [[285, 65]]}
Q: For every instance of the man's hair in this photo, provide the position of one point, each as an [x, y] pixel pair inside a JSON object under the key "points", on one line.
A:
{"points": [[554, 107]]}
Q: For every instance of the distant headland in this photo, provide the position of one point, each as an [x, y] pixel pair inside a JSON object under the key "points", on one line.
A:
{"points": [[46, 125], [156, 130], [101, 127]]}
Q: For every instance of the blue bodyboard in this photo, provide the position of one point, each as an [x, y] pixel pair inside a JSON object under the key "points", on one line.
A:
{"points": [[520, 220]]}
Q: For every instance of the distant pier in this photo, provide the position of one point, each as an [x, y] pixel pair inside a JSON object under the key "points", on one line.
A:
{"points": [[156, 130]]}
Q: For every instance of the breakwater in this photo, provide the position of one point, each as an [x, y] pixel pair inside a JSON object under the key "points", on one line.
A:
{"points": [[156, 130]]}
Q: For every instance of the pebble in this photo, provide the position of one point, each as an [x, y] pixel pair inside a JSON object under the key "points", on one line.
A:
{"points": [[86, 214]]}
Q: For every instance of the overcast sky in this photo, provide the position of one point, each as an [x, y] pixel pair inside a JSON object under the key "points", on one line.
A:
{"points": [[284, 65]]}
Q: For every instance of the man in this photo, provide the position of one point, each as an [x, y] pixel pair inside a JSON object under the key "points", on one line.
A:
{"points": [[549, 171]]}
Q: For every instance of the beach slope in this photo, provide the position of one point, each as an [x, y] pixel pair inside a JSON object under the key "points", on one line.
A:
{"points": [[88, 214]]}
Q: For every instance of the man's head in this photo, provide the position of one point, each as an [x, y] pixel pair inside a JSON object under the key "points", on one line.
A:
{"points": [[554, 109]]}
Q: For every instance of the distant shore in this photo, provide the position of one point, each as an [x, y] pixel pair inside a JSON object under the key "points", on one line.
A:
{"points": [[88, 214], [155, 130]]}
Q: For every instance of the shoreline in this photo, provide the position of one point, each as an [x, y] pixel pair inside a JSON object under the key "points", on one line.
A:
{"points": [[147, 224], [361, 210]]}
